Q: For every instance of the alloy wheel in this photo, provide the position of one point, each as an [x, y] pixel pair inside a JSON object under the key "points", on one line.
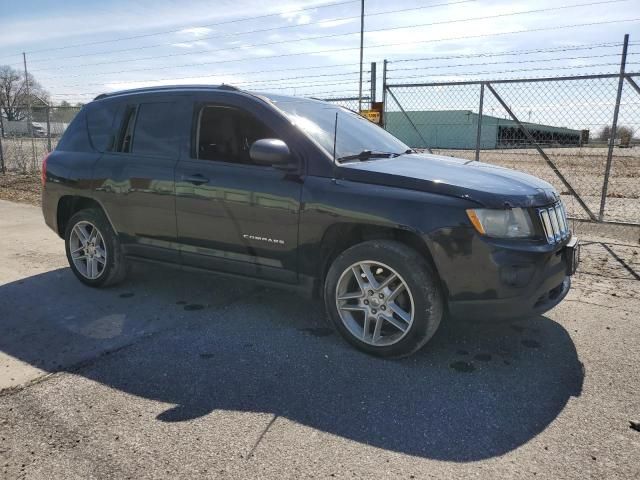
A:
{"points": [[87, 250], [374, 303]]}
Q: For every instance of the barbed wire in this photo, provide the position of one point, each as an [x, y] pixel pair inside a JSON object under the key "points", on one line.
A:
{"points": [[492, 72]]}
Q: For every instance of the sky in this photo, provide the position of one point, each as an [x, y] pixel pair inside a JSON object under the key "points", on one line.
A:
{"points": [[78, 49]]}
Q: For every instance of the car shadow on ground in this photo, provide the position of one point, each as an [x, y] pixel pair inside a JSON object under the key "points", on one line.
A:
{"points": [[204, 343]]}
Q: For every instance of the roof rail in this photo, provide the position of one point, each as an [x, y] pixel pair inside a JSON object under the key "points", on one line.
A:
{"points": [[164, 88]]}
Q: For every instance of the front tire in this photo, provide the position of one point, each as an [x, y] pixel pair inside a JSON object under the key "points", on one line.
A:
{"points": [[383, 298], [93, 249]]}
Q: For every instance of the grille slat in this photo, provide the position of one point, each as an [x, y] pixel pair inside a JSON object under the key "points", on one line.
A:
{"points": [[554, 222]]}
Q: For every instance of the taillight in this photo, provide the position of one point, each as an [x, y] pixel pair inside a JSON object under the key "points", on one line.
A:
{"points": [[44, 169]]}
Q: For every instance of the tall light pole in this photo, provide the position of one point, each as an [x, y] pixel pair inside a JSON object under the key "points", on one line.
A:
{"points": [[29, 112], [361, 53]]}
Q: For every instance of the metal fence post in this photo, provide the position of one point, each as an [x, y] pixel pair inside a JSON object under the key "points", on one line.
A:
{"points": [[48, 128], [479, 132], [373, 82], [614, 126], [384, 93]]}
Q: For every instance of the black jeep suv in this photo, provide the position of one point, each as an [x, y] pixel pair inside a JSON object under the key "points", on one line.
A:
{"points": [[306, 194]]}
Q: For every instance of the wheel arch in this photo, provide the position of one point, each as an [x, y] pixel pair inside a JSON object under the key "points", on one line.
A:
{"points": [[339, 237], [69, 205]]}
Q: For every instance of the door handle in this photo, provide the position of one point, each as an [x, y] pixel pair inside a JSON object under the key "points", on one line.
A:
{"points": [[196, 179]]}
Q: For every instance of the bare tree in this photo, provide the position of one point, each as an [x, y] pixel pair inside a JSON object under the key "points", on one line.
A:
{"points": [[13, 95], [623, 132], [604, 133]]}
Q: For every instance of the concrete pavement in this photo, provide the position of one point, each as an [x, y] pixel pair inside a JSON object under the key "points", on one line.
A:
{"points": [[195, 376]]}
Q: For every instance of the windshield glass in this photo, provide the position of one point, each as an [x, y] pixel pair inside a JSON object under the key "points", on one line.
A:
{"points": [[355, 133]]}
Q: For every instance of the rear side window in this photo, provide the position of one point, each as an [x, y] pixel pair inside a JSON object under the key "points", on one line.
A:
{"points": [[76, 136], [100, 124], [155, 132], [126, 136]]}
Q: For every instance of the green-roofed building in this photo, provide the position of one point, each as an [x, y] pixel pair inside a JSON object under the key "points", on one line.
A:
{"points": [[458, 129]]}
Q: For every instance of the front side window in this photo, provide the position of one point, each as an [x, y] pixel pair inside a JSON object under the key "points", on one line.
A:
{"points": [[226, 134], [355, 134]]}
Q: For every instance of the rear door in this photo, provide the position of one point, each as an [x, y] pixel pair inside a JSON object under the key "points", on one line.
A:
{"points": [[234, 215], [136, 178]]}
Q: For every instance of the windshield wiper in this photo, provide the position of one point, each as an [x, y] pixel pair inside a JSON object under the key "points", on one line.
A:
{"points": [[368, 154]]}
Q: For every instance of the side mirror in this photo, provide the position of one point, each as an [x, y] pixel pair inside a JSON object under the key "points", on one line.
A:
{"points": [[270, 151]]}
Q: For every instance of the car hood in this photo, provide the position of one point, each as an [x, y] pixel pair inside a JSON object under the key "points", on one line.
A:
{"points": [[489, 185]]}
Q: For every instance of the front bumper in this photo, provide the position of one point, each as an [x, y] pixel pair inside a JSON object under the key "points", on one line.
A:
{"points": [[499, 280], [510, 308]]}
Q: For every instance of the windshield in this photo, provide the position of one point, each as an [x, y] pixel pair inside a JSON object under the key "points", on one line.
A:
{"points": [[355, 133]]}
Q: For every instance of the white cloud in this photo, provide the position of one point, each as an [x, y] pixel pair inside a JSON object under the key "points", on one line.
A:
{"points": [[196, 31], [300, 18]]}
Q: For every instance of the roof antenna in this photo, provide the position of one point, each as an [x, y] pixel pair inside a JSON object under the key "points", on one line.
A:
{"points": [[335, 137]]}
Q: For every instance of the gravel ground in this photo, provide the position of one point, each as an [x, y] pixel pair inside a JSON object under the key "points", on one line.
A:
{"points": [[175, 375]]}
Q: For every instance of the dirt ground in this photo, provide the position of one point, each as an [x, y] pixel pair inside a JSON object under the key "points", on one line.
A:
{"points": [[20, 187]]}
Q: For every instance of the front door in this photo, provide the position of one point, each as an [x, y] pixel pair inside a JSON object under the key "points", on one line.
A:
{"points": [[234, 215]]}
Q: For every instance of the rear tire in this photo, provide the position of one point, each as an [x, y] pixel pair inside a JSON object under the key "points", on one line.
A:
{"points": [[383, 298], [93, 249]]}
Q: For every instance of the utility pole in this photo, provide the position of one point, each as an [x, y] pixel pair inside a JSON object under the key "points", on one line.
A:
{"points": [[29, 118], [2, 167], [361, 53]]}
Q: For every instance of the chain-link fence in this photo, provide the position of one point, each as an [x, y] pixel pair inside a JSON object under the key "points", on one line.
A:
{"points": [[28, 133], [579, 133], [558, 129]]}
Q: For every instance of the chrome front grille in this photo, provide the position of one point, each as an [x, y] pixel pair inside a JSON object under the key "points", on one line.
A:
{"points": [[554, 222]]}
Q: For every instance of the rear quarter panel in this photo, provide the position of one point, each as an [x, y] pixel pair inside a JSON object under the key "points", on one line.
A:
{"points": [[68, 173]]}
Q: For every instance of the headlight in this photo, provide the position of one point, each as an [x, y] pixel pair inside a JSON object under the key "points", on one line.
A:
{"points": [[508, 223]]}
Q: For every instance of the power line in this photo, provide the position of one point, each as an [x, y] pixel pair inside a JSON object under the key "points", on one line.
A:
{"points": [[132, 37], [282, 27], [248, 72], [286, 87], [223, 74], [332, 35], [343, 92], [264, 57]]}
